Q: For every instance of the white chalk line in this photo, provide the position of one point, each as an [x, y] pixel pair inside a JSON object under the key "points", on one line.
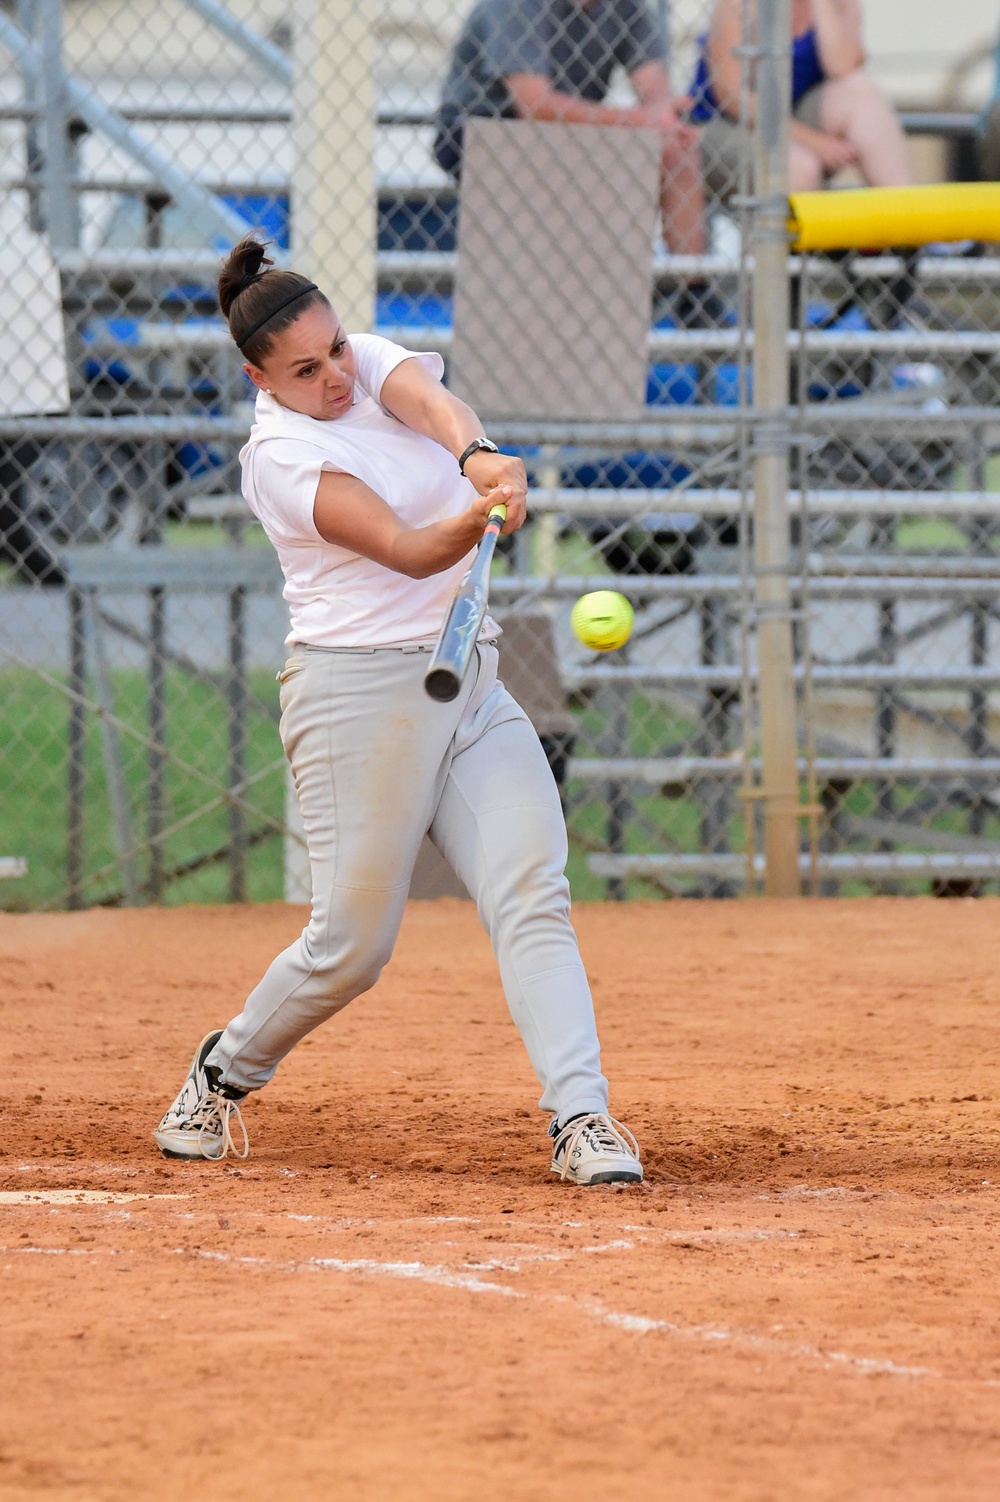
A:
{"points": [[745, 1339], [446, 1277], [717, 1236]]}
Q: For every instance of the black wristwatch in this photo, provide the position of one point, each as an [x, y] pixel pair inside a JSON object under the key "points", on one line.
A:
{"points": [[474, 447]]}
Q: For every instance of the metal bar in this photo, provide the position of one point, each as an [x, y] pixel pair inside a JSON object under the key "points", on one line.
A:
{"points": [[877, 418], [887, 834], [61, 209], [138, 187], [613, 739], [680, 502], [726, 586], [77, 765], [908, 863], [978, 737], [710, 426], [904, 565], [420, 268], [204, 115], [32, 114], [688, 344], [938, 122], [657, 771], [156, 809], [183, 190], [264, 53], [750, 779], [715, 729], [802, 628], [188, 569], [772, 558], [915, 122], [871, 676], [125, 570], [885, 702], [121, 816], [683, 345], [236, 698]]}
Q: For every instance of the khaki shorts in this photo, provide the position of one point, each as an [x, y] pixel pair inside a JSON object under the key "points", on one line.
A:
{"points": [[725, 145]]}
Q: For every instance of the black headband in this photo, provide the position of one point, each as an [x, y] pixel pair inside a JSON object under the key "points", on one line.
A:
{"points": [[310, 287]]}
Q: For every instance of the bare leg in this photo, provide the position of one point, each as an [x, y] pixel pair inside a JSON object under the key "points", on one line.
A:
{"points": [[805, 170], [682, 198], [856, 108]]}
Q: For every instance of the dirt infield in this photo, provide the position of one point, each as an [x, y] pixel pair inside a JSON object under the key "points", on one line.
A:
{"points": [[392, 1300]]}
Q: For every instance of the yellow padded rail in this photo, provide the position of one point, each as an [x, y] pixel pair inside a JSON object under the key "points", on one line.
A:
{"points": [[877, 218]]}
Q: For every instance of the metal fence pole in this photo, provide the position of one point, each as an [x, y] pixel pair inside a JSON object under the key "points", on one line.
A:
{"points": [[77, 763], [770, 400], [26, 18], [61, 211], [237, 704], [156, 813]]}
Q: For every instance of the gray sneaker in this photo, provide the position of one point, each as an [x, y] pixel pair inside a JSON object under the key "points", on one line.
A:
{"points": [[199, 1123], [595, 1149]]}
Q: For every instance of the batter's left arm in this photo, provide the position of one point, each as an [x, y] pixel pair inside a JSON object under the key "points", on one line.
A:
{"points": [[417, 398]]}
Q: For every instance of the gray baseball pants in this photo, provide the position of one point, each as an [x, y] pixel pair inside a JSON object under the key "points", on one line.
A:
{"points": [[377, 764]]}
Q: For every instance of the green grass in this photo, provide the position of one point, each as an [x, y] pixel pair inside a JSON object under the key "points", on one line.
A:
{"points": [[34, 726], [931, 534]]}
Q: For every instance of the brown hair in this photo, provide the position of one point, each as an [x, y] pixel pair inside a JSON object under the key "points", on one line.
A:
{"points": [[259, 302]]}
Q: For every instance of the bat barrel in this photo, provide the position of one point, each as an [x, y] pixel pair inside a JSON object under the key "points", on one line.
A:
{"points": [[442, 684], [457, 641]]}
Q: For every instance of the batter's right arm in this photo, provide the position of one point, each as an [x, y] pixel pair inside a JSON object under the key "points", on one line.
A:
{"points": [[418, 399], [349, 514]]}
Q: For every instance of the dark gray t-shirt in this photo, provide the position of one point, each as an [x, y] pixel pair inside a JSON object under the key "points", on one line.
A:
{"points": [[576, 49]]}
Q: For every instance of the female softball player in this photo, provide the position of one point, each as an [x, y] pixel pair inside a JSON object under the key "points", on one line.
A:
{"points": [[373, 483]]}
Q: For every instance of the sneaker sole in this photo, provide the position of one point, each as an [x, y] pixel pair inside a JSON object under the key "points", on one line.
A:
{"points": [[171, 1152], [612, 1177], [609, 1176]]}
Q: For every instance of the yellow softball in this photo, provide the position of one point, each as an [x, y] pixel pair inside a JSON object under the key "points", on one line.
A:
{"points": [[602, 620]]}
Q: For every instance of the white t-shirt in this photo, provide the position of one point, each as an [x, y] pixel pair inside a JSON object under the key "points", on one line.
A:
{"points": [[337, 598]]}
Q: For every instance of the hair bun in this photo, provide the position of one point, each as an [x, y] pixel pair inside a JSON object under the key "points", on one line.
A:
{"points": [[245, 264], [253, 258]]}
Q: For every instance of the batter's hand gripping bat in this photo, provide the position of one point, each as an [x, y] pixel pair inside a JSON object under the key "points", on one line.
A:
{"points": [[455, 645]]}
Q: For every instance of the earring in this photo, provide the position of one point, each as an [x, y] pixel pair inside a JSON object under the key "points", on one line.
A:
{"points": [[268, 391]]}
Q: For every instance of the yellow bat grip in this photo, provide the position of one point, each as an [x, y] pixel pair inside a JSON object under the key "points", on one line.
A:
{"points": [[497, 513]]}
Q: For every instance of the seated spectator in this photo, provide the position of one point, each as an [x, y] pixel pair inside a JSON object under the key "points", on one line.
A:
{"points": [[554, 60], [841, 116]]}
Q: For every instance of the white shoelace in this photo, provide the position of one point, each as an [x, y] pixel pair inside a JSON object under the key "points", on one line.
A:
{"points": [[217, 1115], [604, 1132]]}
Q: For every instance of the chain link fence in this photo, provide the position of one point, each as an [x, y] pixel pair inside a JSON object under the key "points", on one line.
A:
{"points": [[593, 300]]}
